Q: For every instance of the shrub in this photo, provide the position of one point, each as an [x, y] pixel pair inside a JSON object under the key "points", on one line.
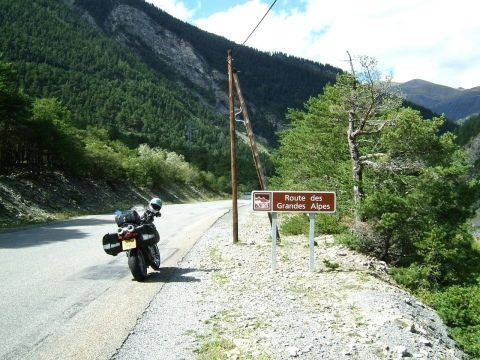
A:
{"points": [[415, 277], [469, 339], [352, 240], [459, 306], [324, 224], [102, 161], [295, 225]]}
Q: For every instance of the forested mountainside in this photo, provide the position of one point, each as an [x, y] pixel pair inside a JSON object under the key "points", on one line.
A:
{"points": [[457, 104], [140, 94], [468, 135], [56, 53], [197, 60]]}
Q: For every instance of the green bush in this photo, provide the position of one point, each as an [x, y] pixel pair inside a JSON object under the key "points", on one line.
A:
{"points": [[415, 277], [450, 254], [459, 306], [469, 339], [295, 225], [324, 224], [329, 224], [352, 240]]}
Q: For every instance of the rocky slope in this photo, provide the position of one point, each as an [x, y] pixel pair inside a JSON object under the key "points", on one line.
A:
{"points": [[132, 27], [33, 198], [457, 104], [224, 302], [196, 61]]}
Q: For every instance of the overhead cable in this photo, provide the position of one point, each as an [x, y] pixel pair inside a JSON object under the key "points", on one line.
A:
{"points": [[255, 28]]}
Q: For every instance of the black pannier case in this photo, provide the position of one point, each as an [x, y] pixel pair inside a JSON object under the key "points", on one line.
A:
{"points": [[147, 235], [127, 217], [111, 244]]}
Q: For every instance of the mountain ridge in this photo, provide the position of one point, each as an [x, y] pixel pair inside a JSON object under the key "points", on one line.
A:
{"points": [[456, 104], [271, 82]]}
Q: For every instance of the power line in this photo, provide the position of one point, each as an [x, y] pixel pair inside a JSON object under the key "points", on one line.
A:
{"points": [[255, 28]]}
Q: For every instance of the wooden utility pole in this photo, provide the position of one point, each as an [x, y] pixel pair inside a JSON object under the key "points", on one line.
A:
{"points": [[251, 138], [233, 147], [253, 145]]}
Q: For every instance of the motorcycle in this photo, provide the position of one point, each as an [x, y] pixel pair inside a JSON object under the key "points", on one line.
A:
{"points": [[138, 238]]}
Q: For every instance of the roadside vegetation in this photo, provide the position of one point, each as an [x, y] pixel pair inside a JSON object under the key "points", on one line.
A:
{"points": [[406, 191], [40, 140], [38, 135]]}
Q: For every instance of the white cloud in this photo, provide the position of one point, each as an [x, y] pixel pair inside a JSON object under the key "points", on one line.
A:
{"points": [[175, 8], [429, 39]]}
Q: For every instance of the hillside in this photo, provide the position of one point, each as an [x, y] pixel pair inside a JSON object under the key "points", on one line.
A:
{"points": [[104, 85], [168, 95], [457, 104], [197, 60]]}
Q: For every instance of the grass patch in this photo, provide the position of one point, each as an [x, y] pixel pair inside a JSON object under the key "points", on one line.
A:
{"points": [[364, 276], [331, 265], [218, 343], [215, 255], [302, 290], [351, 287], [215, 347], [222, 317], [220, 278], [259, 324], [402, 323]]}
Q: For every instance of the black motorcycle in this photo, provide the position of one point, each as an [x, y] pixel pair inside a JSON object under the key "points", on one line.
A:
{"points": [[138, 237]]}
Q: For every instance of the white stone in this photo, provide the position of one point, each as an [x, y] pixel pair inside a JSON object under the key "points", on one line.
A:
{"points": [[292, 351]]}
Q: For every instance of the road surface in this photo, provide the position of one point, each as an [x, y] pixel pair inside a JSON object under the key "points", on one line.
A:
{"points": [[62, 297]]}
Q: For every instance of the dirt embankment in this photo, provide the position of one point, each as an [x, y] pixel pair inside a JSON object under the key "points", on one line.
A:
{"points": [[37, 198]]}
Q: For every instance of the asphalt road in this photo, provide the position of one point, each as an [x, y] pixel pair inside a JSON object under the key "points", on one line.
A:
{"points": [[62, 297]]}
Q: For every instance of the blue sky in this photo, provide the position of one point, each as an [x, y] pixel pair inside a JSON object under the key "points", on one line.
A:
{"points": [[207, 7], [204, 8], [438, 41]]}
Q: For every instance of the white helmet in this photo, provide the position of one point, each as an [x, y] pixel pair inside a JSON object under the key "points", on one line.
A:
{"points": [[155, 205]]}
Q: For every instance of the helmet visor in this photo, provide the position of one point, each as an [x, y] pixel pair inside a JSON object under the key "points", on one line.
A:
{"points": [[156, 207]]}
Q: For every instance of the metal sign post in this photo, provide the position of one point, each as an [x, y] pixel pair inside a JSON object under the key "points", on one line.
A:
{"points": [[274, 241], [312, 241]]}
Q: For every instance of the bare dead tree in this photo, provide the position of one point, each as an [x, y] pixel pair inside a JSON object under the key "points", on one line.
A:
{"points": [[366, 98]]}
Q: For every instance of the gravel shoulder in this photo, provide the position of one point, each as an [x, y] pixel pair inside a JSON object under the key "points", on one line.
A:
{"points": [[223, 301]]}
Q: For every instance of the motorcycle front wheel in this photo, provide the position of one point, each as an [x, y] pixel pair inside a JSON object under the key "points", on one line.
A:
{"points": [[137, 264], [154, 255]]}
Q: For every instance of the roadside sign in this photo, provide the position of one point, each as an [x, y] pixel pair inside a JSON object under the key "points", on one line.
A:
{"points": [[294, 201], [310, 202]]}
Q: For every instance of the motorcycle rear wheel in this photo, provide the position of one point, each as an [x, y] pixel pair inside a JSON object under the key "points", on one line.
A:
{"points": [[137, 264]]}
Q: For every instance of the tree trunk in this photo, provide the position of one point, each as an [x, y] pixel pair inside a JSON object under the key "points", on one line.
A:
{"points": [[357, 168]]}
